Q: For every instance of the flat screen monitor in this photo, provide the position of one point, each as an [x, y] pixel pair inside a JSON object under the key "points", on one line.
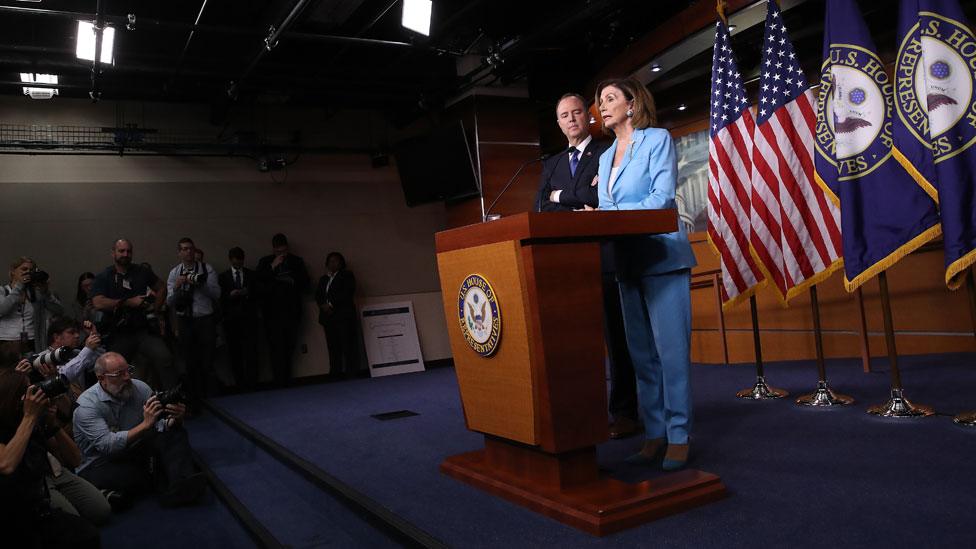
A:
{"points": [[437, 166]]}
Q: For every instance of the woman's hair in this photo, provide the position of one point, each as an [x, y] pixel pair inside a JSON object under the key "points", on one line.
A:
{"points": [[13, 386], [80, 296], [642, 102], [342, 260], [17, 262]]}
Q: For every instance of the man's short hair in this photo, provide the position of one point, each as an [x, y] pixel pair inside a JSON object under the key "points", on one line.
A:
{"points": [[572, 94], [59, 325], [279, 240], [236, 253], [118, 240], [101, 364], [185, 240]]}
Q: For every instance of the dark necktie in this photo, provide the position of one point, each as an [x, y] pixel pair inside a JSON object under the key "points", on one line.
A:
{"points": [[573, 161], [237, 279]]}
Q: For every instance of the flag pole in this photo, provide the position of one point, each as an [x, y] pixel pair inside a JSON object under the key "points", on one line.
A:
{"points": [[969, 418], [823, 396], [897, 405], [759, 391]]}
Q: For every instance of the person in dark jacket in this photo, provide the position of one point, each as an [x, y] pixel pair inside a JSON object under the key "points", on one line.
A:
{"points": [[284, 279], [337, 315]]}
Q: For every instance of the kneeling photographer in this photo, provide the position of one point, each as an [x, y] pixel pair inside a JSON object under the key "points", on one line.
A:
{"points": [[28, 504], [64, 337], [25, 304], [132, 440], [192, 290]]}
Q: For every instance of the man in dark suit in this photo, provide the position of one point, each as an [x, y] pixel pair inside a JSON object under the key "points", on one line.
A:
{"points": [[283, 280], [337, 315], [238, 303], [568, 184], [567, 178]]}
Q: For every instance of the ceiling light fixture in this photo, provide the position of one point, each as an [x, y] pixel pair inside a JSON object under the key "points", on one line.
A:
{"points": [[85, 48], [682, 107], [655, 68], [35, 92], [416, 15], [732, 28]]}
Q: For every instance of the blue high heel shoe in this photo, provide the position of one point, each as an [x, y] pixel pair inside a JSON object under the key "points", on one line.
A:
{"points": [[676, 457]]}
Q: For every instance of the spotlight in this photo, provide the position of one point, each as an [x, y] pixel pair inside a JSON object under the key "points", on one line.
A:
{"points": [[85, 48], [416, 15], [732, 28], [130, 22], [682, 107], [655, 68]]}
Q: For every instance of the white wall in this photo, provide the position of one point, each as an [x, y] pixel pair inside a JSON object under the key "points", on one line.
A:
{"points": [[65, 211]]}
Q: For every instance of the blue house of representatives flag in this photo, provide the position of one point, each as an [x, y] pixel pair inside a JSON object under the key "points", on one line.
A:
{"points": [[935, 75], [885, 210]]}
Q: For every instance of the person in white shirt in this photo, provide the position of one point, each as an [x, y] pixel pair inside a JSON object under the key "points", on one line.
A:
{"points": [[192, 292], [25, 306]]}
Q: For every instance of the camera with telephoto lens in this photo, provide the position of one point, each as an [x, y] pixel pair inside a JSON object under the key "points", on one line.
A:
{"points": [[170, 396], [52, 357]]}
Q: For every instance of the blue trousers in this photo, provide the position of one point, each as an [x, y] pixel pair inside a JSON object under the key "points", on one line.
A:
{"points": [[657, 320]]}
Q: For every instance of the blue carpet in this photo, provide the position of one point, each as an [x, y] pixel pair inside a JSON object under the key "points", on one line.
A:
{"points": [[296, 512], [206, 525], [797, 477]]}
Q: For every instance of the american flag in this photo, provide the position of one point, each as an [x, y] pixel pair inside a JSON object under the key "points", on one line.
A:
{"points": [[795, 227], [729, 173]]}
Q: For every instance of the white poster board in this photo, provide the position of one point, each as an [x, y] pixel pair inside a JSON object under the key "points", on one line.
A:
{"points": [[390, 335]]}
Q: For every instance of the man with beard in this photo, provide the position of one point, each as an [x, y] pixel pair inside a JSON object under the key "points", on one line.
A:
{"points": [[121, 427], [124, 294]]}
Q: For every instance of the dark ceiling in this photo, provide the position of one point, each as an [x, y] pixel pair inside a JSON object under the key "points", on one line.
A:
{"points": [[343, 53]]}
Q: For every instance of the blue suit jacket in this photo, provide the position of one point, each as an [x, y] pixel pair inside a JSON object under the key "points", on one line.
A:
{"points": [[646, 180]]}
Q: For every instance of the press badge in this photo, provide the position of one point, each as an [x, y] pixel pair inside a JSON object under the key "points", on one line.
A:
{"points": [[126, 284]]}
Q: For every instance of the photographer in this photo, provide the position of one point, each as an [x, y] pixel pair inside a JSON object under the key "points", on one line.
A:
{"points": [[26, 505], [63, 333], [191, 291], [125, 295], [122, 427], [24, 307]]}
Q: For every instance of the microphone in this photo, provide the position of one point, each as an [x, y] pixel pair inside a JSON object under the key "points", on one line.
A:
{"points": [[525, 164]]}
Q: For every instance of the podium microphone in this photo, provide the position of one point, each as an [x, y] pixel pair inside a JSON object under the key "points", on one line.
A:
{"points": [[514, 177]]}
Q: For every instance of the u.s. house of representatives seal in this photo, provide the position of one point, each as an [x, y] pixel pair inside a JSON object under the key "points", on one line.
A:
{"points": [[479, 315], [934, 75], [854, 111]]}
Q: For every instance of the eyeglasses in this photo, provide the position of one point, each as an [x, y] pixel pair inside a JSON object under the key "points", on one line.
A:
{"points": [[127, 372]]}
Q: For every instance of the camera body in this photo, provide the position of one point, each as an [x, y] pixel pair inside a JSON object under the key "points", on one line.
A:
{"points": [[183, 296], [54, 386], [38, 276], [170, 396]]}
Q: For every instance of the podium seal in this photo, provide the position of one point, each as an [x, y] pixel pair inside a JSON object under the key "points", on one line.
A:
{"points": [[479, 315]]}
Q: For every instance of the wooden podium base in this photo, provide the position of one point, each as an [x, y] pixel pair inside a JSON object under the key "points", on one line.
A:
{"points": [[568, 487]]}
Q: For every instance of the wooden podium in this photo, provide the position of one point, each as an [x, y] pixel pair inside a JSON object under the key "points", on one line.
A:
{"points": [[540, 396]]}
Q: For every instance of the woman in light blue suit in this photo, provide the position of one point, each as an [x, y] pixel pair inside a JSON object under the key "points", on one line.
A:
{"points": [[640, 172]]}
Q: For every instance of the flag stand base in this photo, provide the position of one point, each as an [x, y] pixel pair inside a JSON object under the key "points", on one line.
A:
{"points": [[966, 419], [899, 406], [824, 397], [761, 391]]}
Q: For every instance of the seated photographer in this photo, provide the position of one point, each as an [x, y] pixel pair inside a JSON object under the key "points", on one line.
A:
{"points": [[68, 492], [63, 333], [191, 291], [24, 307], [125, 296], [30, 517], [121, 426]]}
